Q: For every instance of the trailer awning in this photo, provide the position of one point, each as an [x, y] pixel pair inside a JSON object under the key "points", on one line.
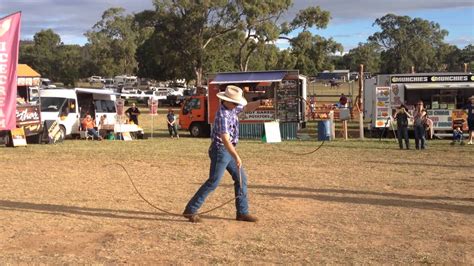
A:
{"points": [[447, 85], [249, 77]]}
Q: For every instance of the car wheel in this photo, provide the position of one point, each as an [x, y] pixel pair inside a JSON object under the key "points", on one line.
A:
{"points": [[195, 130]]}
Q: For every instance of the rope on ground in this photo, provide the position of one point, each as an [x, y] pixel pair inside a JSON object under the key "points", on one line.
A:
{"points": [[169, 212]]}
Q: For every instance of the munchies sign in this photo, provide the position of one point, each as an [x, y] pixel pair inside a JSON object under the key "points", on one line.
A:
{"points": [[9, 40]]}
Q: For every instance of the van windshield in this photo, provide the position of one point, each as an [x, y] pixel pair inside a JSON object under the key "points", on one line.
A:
{"points": [[49, 104]]}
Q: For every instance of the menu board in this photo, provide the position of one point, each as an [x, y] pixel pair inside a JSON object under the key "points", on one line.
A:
{"points": [[287, 101], [382, 107]]}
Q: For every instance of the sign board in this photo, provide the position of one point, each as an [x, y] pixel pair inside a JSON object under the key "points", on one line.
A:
{"points": [[18, 137], [153, 104], [259, 115], [53, 131], [442, 119], [431, 78], [460, 115], [397, 95], [383, 110], [272, 132], [28, 114], [126, 136], [120, 107]]}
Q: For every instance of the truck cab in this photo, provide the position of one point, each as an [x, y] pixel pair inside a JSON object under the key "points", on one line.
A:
{"points": [[193, 116]]}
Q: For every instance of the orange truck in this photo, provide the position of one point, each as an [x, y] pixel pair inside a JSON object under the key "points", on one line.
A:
{"points": [[285, 90]]}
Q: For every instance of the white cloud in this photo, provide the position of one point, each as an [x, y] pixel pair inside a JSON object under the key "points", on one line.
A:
{"points": [[370, 9], [72, 18], [66, 17]]}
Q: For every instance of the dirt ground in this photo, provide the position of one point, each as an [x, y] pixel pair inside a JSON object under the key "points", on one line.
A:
{"points": [[350, 202]]}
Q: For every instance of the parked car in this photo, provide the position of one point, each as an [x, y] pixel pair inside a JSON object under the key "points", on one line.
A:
{"points": [[93, 79]]}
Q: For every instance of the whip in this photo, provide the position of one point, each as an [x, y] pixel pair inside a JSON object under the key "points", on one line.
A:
{"points": [[173, 213]]}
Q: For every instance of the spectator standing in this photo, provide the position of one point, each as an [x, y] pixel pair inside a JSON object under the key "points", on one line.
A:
{"points": [[133, 114], [402, 116], [172, 127], [470, 118], [342, 101], [419, 116]]}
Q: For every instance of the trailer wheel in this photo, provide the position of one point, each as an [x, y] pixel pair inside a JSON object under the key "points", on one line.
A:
{"points": [[8, 139], [196, 130], [34, 139]]}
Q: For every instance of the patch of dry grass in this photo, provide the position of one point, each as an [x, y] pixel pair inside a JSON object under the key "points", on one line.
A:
{"points": [[350, 202]]}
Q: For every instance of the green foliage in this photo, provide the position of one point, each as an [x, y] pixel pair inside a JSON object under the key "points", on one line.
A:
{"points": [[113, 42], [408, 42], [312, 53], [367, 54], [51, 58]]}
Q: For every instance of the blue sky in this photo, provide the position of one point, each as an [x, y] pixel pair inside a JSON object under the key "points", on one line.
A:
{"points": [[351, 20]]}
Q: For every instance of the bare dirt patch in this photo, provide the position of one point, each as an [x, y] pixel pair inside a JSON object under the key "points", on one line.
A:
{"points": [[350, 202]]}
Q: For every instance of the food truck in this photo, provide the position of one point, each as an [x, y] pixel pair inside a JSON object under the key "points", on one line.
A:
{"points": [[444, 96], [284, 89], [28, 115]]}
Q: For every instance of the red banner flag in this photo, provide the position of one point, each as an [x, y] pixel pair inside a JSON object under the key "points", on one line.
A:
{"points": [[9, 44]]}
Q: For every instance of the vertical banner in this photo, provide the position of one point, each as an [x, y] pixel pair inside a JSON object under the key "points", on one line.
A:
{"points": [[9, 44], [153, 104]]}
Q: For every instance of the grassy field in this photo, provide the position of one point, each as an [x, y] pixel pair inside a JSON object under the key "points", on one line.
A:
{"points": [[350, 202]]}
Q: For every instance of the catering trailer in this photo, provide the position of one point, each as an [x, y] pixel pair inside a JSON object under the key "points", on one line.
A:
{"points": [[443, 94], [28, 115], [285, 90]]}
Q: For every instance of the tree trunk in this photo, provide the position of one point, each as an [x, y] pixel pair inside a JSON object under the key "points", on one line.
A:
{"points": [[198, 72]]}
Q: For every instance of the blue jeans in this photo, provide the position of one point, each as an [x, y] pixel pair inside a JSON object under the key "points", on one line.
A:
{"points": [[221, 160], [402, 133], [93, 132], [420, 138]]}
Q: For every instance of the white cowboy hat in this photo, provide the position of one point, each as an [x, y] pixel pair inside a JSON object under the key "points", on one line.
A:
{"points": [[232, 94]]}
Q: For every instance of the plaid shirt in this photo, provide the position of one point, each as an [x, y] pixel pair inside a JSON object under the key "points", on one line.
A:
{"points": [[226, 121]]}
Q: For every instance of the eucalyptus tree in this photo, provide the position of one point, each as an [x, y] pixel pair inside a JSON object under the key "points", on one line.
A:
{"points": [[112, 43], [408, 42], [183, 33], [367, 54]]}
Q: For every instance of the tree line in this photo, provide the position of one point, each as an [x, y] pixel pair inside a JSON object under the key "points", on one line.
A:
{"points": [[187, 39]]}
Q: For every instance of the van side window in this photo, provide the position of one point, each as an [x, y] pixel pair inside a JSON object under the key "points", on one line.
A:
{"points": [[72, 105], [105, 106]]}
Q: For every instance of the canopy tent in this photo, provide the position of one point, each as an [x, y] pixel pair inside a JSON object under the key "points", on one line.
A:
{"points": [[249, 77], [24, 70]]}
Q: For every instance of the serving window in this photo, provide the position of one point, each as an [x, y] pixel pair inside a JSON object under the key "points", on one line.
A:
{"points": [[439, 101]]}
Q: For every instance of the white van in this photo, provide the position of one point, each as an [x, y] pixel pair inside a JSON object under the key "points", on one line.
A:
{"points": [[69, 106]]}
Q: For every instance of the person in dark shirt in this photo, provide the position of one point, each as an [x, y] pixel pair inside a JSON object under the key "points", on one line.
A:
{"points": [[343, 101], [133, 114], [470, 118], [402, 116]]}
